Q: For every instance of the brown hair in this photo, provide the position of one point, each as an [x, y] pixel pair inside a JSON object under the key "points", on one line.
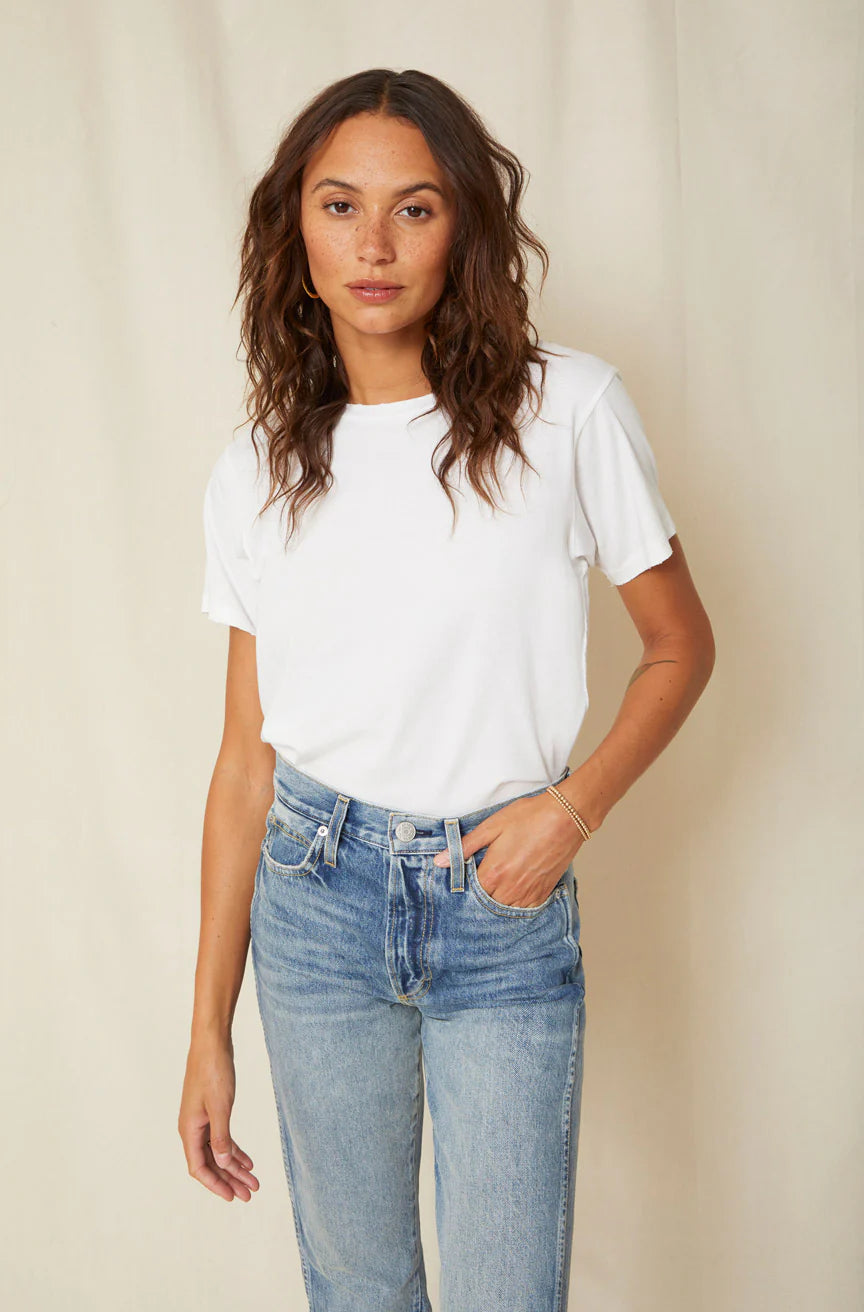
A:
{"points": [[480, 340]]}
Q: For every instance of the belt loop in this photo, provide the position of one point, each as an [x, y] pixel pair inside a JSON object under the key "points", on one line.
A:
{"points": [[331, 842], [457, 859]]}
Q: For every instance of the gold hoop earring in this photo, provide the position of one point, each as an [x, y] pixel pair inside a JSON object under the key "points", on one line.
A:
{"points": [[315, 295]]}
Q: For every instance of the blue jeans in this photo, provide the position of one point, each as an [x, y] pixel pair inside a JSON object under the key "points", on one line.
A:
{"points": [[374, 968]]}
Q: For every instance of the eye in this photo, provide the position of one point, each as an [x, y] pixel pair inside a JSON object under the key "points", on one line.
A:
{"points": [[421, 208]]}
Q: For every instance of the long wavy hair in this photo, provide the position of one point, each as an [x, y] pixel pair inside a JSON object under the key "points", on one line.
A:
{"points": [[480, 340]]}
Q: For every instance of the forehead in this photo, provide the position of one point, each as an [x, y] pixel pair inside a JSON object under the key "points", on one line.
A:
{"points": [[374, 152]]}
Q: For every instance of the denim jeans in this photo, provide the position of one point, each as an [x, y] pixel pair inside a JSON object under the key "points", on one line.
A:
{"points": [[375, 969]]}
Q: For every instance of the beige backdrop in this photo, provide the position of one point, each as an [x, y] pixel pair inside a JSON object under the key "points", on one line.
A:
{"points": [[696, 172]]}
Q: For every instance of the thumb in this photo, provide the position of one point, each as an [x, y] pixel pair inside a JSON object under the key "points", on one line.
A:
{"points": [[221, 1143], [471, 841]]}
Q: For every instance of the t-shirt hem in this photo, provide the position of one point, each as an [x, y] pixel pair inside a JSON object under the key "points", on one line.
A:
{"points": [[221, 616], [646, 557]]}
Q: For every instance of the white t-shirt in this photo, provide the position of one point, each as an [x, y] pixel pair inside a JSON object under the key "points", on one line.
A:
{"points": [[418, 670]]}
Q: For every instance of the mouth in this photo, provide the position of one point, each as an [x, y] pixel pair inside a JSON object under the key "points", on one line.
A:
{"points": [[375, 291], [375, 284]]}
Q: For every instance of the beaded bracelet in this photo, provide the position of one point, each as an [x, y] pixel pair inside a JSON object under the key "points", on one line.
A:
{"points": [[585, 831]]}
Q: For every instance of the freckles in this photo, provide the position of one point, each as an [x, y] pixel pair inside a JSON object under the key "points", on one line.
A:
{"points": [[427, 253], [330, 248]]}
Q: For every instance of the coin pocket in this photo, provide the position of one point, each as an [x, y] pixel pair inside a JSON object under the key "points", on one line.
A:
{"points": [[293, 841]]}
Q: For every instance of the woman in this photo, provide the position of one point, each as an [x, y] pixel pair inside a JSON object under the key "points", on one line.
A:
{"points": [[405, 683]]}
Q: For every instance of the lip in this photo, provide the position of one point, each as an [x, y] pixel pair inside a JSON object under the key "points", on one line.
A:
{"points": [[373, 292], [373, 282]]}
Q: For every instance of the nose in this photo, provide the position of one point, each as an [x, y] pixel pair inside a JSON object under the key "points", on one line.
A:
{"points": [[375, 239]]}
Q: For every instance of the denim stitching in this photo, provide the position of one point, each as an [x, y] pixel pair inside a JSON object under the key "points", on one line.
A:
{"points": [[292, 833], [568, 1176], [454, 839], [524, 913], [334, 832], [426, 975], [285, 1153], [371, 838], [419, 1303], [391, 960], [425, 937], [302, 868], [571, 933]]}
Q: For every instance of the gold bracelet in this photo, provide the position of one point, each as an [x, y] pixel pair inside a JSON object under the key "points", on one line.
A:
{"points": [[586, 832]]}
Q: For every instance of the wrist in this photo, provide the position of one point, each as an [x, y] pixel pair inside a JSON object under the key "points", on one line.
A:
{"points": [[212, 1030], [588, 806]]}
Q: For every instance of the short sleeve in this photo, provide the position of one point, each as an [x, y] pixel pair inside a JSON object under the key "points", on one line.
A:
{"points": [[623, 524], [230, 585]]}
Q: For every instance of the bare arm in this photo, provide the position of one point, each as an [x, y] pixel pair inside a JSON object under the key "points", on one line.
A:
{"points": [[531, 840], [241, 791], [677, 660], [240, 794]]}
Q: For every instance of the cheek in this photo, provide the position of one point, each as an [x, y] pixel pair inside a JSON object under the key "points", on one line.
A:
{"points": [[326, 248], [426, 262], [429, 253]]}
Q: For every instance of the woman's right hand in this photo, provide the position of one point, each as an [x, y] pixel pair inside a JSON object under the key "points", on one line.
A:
{"points": [[212, 1156]]}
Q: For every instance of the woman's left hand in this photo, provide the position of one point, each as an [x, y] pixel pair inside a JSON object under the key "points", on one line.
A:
{"points": [[531, 843]]}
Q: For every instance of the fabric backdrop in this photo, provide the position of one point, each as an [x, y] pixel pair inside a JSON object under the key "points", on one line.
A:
{"points": [[696, 172]]}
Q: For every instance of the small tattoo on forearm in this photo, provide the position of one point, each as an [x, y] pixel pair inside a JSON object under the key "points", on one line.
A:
{"points": [[647, 666]]}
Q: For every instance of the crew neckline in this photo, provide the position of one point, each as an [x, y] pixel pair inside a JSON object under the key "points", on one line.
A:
{"points": [[389, 409]]}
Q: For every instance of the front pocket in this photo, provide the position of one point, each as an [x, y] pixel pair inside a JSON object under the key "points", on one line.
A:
{"points": [[501, 908], [293, 841]]}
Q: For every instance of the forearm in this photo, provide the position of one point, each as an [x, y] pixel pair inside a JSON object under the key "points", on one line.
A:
{"points": [[234, 821], [660, 694]]}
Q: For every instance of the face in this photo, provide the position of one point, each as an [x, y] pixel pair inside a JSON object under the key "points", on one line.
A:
{"points": [[367, 217]]}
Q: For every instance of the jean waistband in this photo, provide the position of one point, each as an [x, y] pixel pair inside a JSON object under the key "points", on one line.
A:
{"points": [[400, 831]]}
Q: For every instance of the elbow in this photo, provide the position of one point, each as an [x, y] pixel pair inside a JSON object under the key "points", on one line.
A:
{"points": [[694, 646]]}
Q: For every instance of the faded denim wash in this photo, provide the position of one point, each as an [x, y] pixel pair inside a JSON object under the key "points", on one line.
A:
{"points": [[375, 968]]}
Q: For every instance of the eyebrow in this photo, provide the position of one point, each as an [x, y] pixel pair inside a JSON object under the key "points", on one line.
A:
{"points": [[401, 191]]}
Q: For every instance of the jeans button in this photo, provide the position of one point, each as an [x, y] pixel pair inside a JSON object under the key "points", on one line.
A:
{"points": [[405, 830]]}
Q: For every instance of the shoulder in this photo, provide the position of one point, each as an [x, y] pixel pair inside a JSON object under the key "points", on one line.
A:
{"points": [[234, 475], [235, 495], [575, 381]]}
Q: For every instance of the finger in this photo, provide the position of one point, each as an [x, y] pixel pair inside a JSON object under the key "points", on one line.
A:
{"points": [[236, 1171], [243, 1158], [241, 1182], [228, 1157], [221, 1143], [471, 843], [213, 1181], [201, 1169]]}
